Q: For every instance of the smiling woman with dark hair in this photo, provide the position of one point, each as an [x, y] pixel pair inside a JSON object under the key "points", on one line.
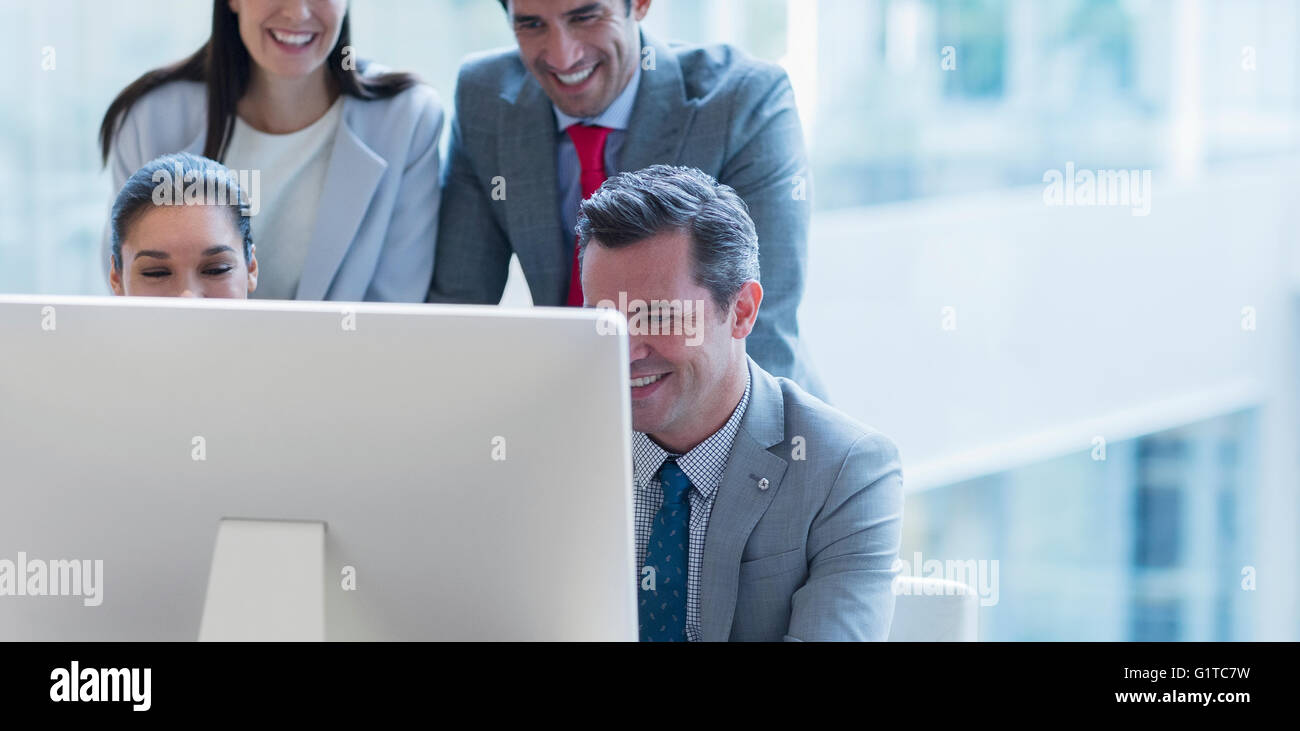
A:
{"points": [[197, 242], [345, 154]]}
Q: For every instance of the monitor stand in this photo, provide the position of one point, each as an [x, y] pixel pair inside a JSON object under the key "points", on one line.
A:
{"points": [[267, 583]]}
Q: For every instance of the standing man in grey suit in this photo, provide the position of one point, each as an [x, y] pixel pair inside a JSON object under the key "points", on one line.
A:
{"points": [[761, 512], [587, 94]]}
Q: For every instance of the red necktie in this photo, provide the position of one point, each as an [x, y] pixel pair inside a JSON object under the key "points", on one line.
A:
{"points": [[590, 145]]}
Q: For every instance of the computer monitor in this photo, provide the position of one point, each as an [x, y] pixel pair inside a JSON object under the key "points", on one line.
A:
{"points": [[471, 465]]}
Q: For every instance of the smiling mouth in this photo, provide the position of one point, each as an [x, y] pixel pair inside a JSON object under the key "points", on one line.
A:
{"points": [[647, 380], [293, 40], [575, 78]]}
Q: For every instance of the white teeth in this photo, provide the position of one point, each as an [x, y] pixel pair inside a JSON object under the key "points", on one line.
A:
{"points": [[578, 78], [293, 39], [639, 382]]}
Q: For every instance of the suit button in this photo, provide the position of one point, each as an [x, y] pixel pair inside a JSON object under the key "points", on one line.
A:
{"points": [[762, 484]]}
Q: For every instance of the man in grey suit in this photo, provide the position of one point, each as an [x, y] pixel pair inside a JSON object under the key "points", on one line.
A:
{"points": [[761, 512], [586, 94]]}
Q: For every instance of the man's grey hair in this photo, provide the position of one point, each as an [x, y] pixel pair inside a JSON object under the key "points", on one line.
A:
{"points": [[632, 207]]}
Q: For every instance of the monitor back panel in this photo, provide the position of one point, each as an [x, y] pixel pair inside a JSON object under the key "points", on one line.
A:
{"points": [[472, 465]]}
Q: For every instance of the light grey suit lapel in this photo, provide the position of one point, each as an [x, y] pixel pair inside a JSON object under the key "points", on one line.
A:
{"points": [[526, 144], [353, 175], [661, 115], [740, 502]]}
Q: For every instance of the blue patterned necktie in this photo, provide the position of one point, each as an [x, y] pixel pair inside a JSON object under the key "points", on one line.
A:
{"points": [[662, 612]]}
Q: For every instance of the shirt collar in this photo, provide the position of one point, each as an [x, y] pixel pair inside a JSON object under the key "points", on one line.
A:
{"points": [[616, 115], [704, 464]]}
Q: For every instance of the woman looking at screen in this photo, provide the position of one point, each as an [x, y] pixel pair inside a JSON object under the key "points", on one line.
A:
{"points": [[343, 157], [195, 244]]}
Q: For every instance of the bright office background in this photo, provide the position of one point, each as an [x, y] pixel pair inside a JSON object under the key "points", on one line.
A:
{"points": [[997, 339]]}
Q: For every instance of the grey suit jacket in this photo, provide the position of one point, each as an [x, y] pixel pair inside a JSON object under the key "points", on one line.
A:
{"points": [[805, 527], [709, 107], [373, 237]]}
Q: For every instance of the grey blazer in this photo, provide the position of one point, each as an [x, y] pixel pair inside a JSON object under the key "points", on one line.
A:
{"points": [[805, 527], [373, 237], [709, 107]]}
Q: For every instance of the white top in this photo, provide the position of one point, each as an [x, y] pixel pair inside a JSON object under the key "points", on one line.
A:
{"points": [[292, 171]]}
